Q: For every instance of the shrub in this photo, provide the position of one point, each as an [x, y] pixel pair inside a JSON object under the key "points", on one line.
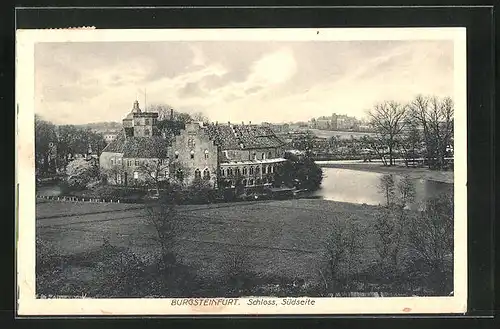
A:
{"points": [[80, 173]]}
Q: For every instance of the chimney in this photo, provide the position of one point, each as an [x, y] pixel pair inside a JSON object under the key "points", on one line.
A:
{"points": [[171, 114]]}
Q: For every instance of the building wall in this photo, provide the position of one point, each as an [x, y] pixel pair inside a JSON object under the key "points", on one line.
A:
{"points": [[131, 171], [193, 150], [255, 174]]}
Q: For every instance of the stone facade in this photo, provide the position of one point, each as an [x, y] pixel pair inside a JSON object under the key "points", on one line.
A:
{"points": [[193, 156]]}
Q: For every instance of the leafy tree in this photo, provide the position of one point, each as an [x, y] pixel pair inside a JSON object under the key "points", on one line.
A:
{"points": [[80, 172], [45, 145], [301, 171], [77, 140]]}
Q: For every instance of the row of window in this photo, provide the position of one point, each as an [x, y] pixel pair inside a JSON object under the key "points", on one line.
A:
{"points": [[179, 174], [176, 154], [245, 171], [147, 122], [136, 162], [251, 181]]}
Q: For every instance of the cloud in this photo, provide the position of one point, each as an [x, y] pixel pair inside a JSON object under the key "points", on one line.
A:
{"points": [[257, 81], [274, 68]]}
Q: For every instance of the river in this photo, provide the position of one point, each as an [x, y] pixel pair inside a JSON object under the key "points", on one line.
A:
{"points": [[345, 185], [355, 186]]}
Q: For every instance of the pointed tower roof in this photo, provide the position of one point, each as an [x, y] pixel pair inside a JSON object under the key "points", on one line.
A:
{"points": [[136, 108]]}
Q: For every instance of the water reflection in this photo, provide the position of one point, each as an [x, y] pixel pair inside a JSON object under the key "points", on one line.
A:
{"points": [[354, 186]]}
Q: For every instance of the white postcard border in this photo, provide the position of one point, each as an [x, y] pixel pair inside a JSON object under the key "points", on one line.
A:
{"points": [[25, 180]]}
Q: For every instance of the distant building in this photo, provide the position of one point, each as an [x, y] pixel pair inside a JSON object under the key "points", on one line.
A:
{"points": [[110, 136]]}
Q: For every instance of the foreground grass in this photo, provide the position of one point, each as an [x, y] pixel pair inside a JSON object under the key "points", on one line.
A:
{"points": [[109, 250]]}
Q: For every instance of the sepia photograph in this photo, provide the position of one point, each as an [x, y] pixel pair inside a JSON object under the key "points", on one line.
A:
{"points": [[241, 172]]}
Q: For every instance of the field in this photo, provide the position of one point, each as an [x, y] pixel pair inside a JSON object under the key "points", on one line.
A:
{"points": [[276, 237]]}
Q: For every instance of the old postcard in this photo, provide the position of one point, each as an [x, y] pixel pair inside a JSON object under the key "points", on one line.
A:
{"points": [[241, 171]]}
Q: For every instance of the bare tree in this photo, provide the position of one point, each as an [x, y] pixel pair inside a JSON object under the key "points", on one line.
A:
{"points": [[390, 222], [430, 239], [389, 120], [156, 168], [199, 116], [435, 116], [387, 188], [341, 248], [164, 217]]}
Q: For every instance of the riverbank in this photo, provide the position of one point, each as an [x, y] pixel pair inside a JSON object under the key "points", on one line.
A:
{"points": [[263, 241], [414, 173]]}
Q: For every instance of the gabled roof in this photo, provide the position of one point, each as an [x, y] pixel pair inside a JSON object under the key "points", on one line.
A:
{"points": [[139, 147], [243, 136]]}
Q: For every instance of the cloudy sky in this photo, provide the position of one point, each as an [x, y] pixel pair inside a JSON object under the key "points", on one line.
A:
{"points": [[236, 81]]}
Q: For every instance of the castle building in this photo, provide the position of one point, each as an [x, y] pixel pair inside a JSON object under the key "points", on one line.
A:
{"points": [[224, 156]]}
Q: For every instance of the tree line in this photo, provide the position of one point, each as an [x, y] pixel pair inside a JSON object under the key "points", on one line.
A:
{"points": [[425, 123], [56, 145]]}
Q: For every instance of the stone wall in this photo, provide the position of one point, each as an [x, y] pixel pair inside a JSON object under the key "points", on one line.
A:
{"points": [[193, 152]]}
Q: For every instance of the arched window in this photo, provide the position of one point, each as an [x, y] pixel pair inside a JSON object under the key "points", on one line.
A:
{"points": [[244, 182], [245, 170], [251, 182], [197, 174], [179, 174], [222, 172], [254, 156], [176, 154], [251, 170], [206, 174], [269, 155], [271, 169], [263, 156], [206, 154], [146, 132], [192, 154], [147, 121], [191, 142], [257, 170]]}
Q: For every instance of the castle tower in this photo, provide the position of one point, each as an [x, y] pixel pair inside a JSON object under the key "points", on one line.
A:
{"points": [[138, 123]]}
